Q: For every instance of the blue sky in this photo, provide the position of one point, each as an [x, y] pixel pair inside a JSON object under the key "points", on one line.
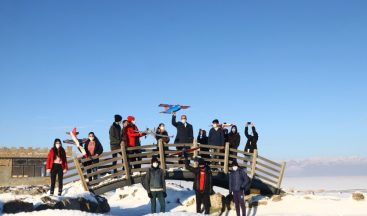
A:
{"points": [[295, 68]]}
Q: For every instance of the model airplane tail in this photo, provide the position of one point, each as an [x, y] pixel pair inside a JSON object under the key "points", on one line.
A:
{"points": [[73, 135]]}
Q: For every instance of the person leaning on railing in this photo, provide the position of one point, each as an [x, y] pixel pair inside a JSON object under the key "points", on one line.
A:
{"points": [[94, 149], [216, 138]]}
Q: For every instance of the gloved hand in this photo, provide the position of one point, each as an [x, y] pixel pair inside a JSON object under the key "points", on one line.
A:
{"points": [[164, 194], [150, 195]]}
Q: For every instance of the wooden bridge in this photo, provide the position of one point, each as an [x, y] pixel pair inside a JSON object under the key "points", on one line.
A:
{"points": [[267, 175]]}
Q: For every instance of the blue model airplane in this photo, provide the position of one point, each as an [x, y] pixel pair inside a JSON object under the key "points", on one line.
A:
{"points": [[169, 109]]}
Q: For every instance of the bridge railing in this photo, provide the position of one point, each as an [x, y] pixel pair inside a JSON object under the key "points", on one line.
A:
{"points": [[131, 161]]}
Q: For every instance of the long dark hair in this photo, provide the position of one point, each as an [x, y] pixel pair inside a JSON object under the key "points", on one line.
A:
{"points": [[59, 152]]}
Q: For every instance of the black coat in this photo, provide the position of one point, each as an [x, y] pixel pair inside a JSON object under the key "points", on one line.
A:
{"points": [[164, 139], [216, 137], [234, 139], [203, 139], [115, 135], [208, 185], [98, 150], [251, 143], [184, 134]]}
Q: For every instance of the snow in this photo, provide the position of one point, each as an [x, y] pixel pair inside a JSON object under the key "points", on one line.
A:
{"points": [[305, 196]]}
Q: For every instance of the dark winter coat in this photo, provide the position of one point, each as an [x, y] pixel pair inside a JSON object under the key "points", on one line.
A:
{"points": [[234, 139], [251, 143], [164, 139], [238, 180], [155, 178], [208, 189], [115, 136], [202, 139], [98, 150], [216, 137], [184, 134]]}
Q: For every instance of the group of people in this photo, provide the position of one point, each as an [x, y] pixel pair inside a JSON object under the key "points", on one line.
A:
{"points": [[125, 132]]}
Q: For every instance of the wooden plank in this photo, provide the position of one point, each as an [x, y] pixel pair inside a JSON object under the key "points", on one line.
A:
{"points": [[267, 173], [211, 146], [244, 165], [266, 178], [140, 162], [241, 152], [211, 153], [140, 170], [226, 158], [270, 161], [141, 147], [195, 152], [145, 154], [214, 160], [239, 158], [268, 167], [103, 163], [99, 180], [281, 176], [80, 172], [125, 161], [161, 155], [179, 145], [175, 166], [105, 170], [104, 154]]}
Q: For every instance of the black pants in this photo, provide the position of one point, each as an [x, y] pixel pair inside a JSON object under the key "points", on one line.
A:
{"points": [[115, 162], [56, 170], [202, 198], [88, 163]]}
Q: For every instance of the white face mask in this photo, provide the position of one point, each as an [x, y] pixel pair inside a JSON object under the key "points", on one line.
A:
{"points": [[91, 138], [215, 126], [162, 128], [155, 164], [133, 122], [57, 146], [183, 121], [235, 168], [234, 130]]}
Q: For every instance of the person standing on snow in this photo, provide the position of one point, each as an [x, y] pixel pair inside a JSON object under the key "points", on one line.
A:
{"points": [[115, 138], [56, 164], [202, 183], [251, 143], [133, 135], [238, 184], [156, 185], [234, 140]]}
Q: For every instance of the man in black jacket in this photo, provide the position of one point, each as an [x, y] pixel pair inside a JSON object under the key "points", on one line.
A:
{"points": [[216, 138], [156, 185], [115, 137], [185, 133], [202, 183], [251, 143]]}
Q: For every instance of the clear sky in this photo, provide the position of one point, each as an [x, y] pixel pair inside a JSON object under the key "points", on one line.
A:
{"points": [[297, 69]]}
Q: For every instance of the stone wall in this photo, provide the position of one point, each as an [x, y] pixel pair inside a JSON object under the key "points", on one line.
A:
{"points": [[29, 152]]}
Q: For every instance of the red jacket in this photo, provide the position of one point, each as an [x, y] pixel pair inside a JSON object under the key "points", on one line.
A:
{"points": [[132, 135], [50, 160]]}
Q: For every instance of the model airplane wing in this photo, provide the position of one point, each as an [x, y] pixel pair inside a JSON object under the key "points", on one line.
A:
{"points": [[165, 105], [185, 107]]}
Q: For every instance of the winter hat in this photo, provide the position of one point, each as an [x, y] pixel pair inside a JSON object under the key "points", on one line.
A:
{"points": [[154, 159], [215, 121], [234, 163], [118, 118], [201, 161], [130, 118]]}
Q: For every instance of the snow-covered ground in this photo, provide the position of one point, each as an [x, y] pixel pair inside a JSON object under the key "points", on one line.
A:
{"points": [[305, 196]]}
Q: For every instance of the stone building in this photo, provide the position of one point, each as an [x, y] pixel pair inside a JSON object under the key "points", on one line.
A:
{"points": [[24, 166]]}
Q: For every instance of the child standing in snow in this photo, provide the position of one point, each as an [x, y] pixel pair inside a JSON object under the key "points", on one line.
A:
{"points": [[238, 182], [56, 165], [156, 185]]}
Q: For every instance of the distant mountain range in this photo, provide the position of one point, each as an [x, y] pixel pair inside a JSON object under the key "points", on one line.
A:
{"points": [[339, 166]]}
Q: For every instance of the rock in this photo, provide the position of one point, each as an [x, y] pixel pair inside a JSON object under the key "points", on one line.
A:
{"points": [[44, 207], [70, 204], [217, 201], [17, 206], [276, 198], [87, 206], [48, 200], [190, 202], [103, 206], [358, 196]]}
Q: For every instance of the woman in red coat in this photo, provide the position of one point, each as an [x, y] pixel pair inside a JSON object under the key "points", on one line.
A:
{"points": [[56, 165]]}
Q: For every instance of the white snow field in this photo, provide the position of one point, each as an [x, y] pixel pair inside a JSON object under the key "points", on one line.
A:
{"points": [[305, 196]]}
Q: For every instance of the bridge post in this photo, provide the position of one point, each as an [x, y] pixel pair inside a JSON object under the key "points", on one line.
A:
{"points": [[161, 155], [280, 177], [253, 163], [80, 172], [196, 152], [125, 161], [226, 157]]}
